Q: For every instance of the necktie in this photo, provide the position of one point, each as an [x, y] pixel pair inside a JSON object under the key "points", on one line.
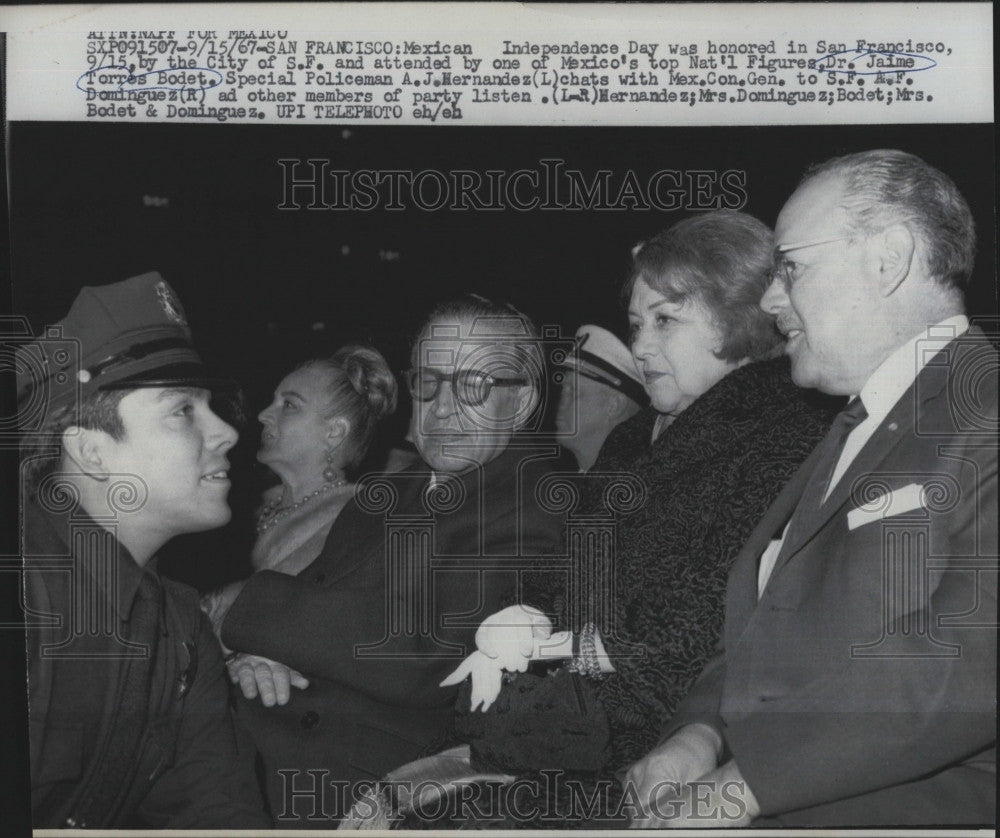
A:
{"points": [[120, 743], [828, 453]]}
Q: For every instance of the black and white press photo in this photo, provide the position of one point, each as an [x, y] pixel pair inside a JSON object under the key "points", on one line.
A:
{"points": [[500, 418]]}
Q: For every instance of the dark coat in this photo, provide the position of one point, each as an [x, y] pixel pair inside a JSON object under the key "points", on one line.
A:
{"points": [[838, 711], [188, 773], [709, 477], [374, 650]]}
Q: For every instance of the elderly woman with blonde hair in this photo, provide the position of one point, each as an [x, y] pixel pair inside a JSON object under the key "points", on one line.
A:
{"points": [[314, 433]]}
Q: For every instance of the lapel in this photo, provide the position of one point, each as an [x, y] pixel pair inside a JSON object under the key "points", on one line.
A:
{"points": [[742, 592], [893, 429]]}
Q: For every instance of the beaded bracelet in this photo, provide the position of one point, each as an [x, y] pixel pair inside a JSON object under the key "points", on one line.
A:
{"points": [[576, 663], [588, 651], [585, 660]]}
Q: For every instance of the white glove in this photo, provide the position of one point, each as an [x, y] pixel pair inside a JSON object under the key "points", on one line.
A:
{"points": [[512, 636], [487, 677]]}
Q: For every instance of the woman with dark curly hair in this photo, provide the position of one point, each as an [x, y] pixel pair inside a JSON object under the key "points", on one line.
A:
{"points": [[725, 430]]}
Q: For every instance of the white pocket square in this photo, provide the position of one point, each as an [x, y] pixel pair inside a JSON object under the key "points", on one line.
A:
{"points": [[891, 503]]}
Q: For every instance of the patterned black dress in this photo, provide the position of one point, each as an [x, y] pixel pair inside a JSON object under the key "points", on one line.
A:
{"points": [[709, 478]]}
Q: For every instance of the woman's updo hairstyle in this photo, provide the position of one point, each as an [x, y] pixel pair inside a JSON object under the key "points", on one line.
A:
{"points": [[362, 389]]}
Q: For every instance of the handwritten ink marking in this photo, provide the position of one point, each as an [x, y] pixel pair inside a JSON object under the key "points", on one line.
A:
{"points": [[123, 77], [863, 62]]}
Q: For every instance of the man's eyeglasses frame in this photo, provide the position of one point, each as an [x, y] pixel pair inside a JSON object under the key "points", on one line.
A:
{"points": [[470, 387], [784, 269]]}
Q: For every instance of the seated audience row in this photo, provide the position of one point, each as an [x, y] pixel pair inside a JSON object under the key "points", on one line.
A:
{"points": [[701, 624]]}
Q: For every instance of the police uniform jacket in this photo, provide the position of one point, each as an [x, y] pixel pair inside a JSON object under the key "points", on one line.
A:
{"points": [[186, 772]]}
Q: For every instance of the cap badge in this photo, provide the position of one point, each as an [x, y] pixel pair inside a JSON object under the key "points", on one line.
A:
{"points": [[170, 304]]}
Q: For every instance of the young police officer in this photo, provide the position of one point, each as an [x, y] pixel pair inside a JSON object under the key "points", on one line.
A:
{"points": [[129, 718]]}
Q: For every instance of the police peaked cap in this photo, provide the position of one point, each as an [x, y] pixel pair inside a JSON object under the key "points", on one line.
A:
{"points": [[126, 335]]}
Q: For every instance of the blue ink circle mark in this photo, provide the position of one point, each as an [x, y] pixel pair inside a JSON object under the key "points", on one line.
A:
{"points": [[832, 63], [131, 81]]}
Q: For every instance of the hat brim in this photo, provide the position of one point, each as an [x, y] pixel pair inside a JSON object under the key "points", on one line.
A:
{"points": [[174, 375], [597, 369]]}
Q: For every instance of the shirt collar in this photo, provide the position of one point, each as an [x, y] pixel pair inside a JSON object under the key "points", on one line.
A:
{"points": [[128, 574], [897, 372]]}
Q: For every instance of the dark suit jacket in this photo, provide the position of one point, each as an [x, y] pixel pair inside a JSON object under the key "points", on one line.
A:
{"points": [[187, 773], [861, 688], [369, 710]]}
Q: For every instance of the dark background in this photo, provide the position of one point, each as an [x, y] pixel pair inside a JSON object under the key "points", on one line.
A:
{"points": [[256, 281], [77, 217]]}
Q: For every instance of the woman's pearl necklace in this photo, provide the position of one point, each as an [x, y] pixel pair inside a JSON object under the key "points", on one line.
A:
{"points": [[271, 514]]}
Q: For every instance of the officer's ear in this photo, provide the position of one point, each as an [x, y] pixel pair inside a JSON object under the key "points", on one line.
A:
{"points": [[895, 249], [337, 430], [86, 448]]}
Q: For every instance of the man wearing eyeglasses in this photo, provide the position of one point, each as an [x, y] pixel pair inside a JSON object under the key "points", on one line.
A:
{"points": [[858, 683], [474, 382], [411, 567]]}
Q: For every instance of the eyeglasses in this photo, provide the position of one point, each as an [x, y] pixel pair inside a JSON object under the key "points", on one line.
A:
{"points": [[784, 269], [471, 387]]}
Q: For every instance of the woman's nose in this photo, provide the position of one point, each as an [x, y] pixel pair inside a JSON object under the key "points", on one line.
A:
{"points": [[640, 344]]}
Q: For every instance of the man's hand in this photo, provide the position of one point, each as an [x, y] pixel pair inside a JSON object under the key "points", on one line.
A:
{"points": [[487, 677], [511, 636], [271, 680], [689, 754], [719, 799]]}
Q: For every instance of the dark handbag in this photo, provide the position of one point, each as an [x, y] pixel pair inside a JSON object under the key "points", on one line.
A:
{"points": [[538, 721]]}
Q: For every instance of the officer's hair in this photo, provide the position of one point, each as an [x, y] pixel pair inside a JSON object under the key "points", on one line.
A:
{"points": [[41, 451], [885, 186], [362, 389]]}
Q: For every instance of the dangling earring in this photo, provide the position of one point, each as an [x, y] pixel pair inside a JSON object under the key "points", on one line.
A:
{"points": [[330, 474]]}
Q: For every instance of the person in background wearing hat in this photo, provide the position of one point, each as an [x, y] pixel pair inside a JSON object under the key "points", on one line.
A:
{"points": [[130, 725], [601, 388], [726, 428]]}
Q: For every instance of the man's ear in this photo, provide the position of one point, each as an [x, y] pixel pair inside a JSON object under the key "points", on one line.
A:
{"points": [[338, 429], [896, 248], [86, 448], [620, 406]]}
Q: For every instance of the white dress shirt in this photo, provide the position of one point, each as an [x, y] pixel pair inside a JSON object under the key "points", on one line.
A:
{"points": [[879, 395]]}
